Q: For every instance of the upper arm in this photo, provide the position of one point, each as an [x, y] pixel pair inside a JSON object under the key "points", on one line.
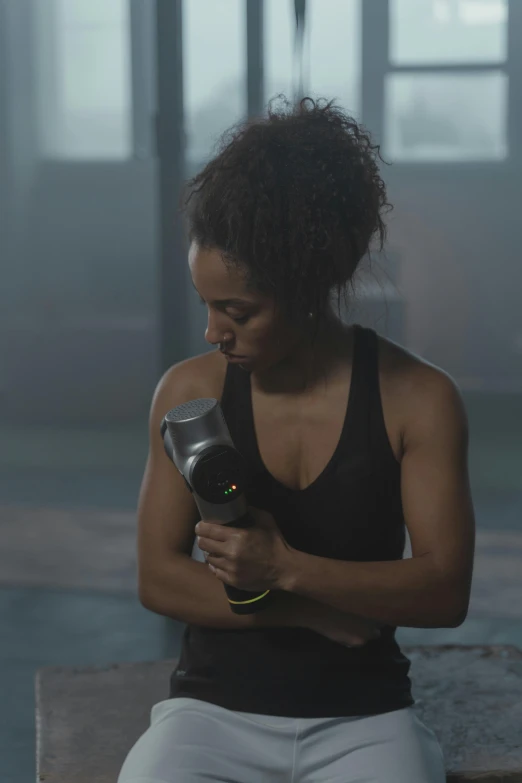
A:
{"points": [[436, 494], [167, 512]]}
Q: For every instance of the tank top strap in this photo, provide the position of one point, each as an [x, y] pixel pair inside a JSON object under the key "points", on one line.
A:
{"points": [[355, 438], [234, 397], [236, 407], [368, 396], [366, 361], [229, 389]]}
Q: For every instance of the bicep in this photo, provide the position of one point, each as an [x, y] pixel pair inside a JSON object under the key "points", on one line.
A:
{"points": [[436, 494], [167, 512]]}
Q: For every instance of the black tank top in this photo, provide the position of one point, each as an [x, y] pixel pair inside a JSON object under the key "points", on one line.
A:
{"points": [[352, 511]]}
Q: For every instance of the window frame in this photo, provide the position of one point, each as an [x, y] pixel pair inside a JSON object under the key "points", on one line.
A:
{"points": [[142, 79], [376, 66]]}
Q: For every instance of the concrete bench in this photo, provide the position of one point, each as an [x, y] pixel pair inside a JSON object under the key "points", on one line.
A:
{"points": [[88, 719]]}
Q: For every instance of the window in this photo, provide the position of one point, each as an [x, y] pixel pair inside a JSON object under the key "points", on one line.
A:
{"points": [[214, 41], [84, 78], [332, 58], [446, 93], [443, 117], [448, 31]]}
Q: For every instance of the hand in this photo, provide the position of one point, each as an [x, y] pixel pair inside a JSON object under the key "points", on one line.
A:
{"points": [[346, 629], [254, 558]]}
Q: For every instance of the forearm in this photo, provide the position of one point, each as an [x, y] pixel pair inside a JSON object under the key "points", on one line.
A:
{"points": [[409, 593], [187, 591]]}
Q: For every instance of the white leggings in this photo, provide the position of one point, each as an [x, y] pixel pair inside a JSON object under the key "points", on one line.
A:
{"points": [[191, 741]]}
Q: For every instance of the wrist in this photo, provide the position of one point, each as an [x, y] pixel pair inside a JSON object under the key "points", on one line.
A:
{"points": [[286, 611], [290, 568]]}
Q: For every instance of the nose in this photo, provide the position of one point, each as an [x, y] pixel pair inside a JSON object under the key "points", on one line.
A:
{"points": [[211, 336], [214, 334]]}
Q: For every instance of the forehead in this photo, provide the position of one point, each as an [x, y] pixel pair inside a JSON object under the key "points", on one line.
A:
{"points": [[212, 278], [209, 271]]}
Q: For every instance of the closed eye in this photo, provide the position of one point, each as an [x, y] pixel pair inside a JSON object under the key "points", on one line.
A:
{"points": [[240, 320]]}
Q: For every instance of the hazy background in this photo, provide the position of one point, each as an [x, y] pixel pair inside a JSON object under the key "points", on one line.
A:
{"points": [[87, 327]]}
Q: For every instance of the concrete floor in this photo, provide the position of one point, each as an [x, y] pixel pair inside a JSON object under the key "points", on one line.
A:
{"points": [[43, 624]]}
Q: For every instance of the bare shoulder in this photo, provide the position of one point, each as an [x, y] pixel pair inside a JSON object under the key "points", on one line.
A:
{"points": [[198, 376], [422, 399]]}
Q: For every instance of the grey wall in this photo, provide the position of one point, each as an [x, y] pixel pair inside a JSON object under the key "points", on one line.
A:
{"points": [[79, 339], [457, 235], [79, 332], [78, 253]]}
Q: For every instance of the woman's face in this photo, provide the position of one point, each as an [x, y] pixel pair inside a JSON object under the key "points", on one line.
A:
{"points": [[249, 321]]}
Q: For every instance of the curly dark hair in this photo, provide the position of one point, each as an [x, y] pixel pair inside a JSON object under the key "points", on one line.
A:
{"points": [[294, 200]]}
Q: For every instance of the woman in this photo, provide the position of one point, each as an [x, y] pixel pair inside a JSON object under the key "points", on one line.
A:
{"points": [[348, 439]]}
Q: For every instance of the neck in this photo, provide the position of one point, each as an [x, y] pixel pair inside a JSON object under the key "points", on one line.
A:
{"points": [[311, 361]]}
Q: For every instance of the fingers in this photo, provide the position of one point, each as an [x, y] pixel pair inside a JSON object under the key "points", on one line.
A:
{"points": [[208, 545], [214, 531], [219, 562], [218, 566], [229, 548]]}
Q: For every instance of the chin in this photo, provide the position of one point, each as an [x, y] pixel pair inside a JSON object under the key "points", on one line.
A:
{"points": [[250, 364]]}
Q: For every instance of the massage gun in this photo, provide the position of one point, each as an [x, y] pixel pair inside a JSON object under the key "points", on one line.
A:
{"points": [[197, 440]]}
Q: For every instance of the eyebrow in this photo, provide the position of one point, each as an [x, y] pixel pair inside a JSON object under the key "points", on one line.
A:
{"points": [[223, 302]]}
